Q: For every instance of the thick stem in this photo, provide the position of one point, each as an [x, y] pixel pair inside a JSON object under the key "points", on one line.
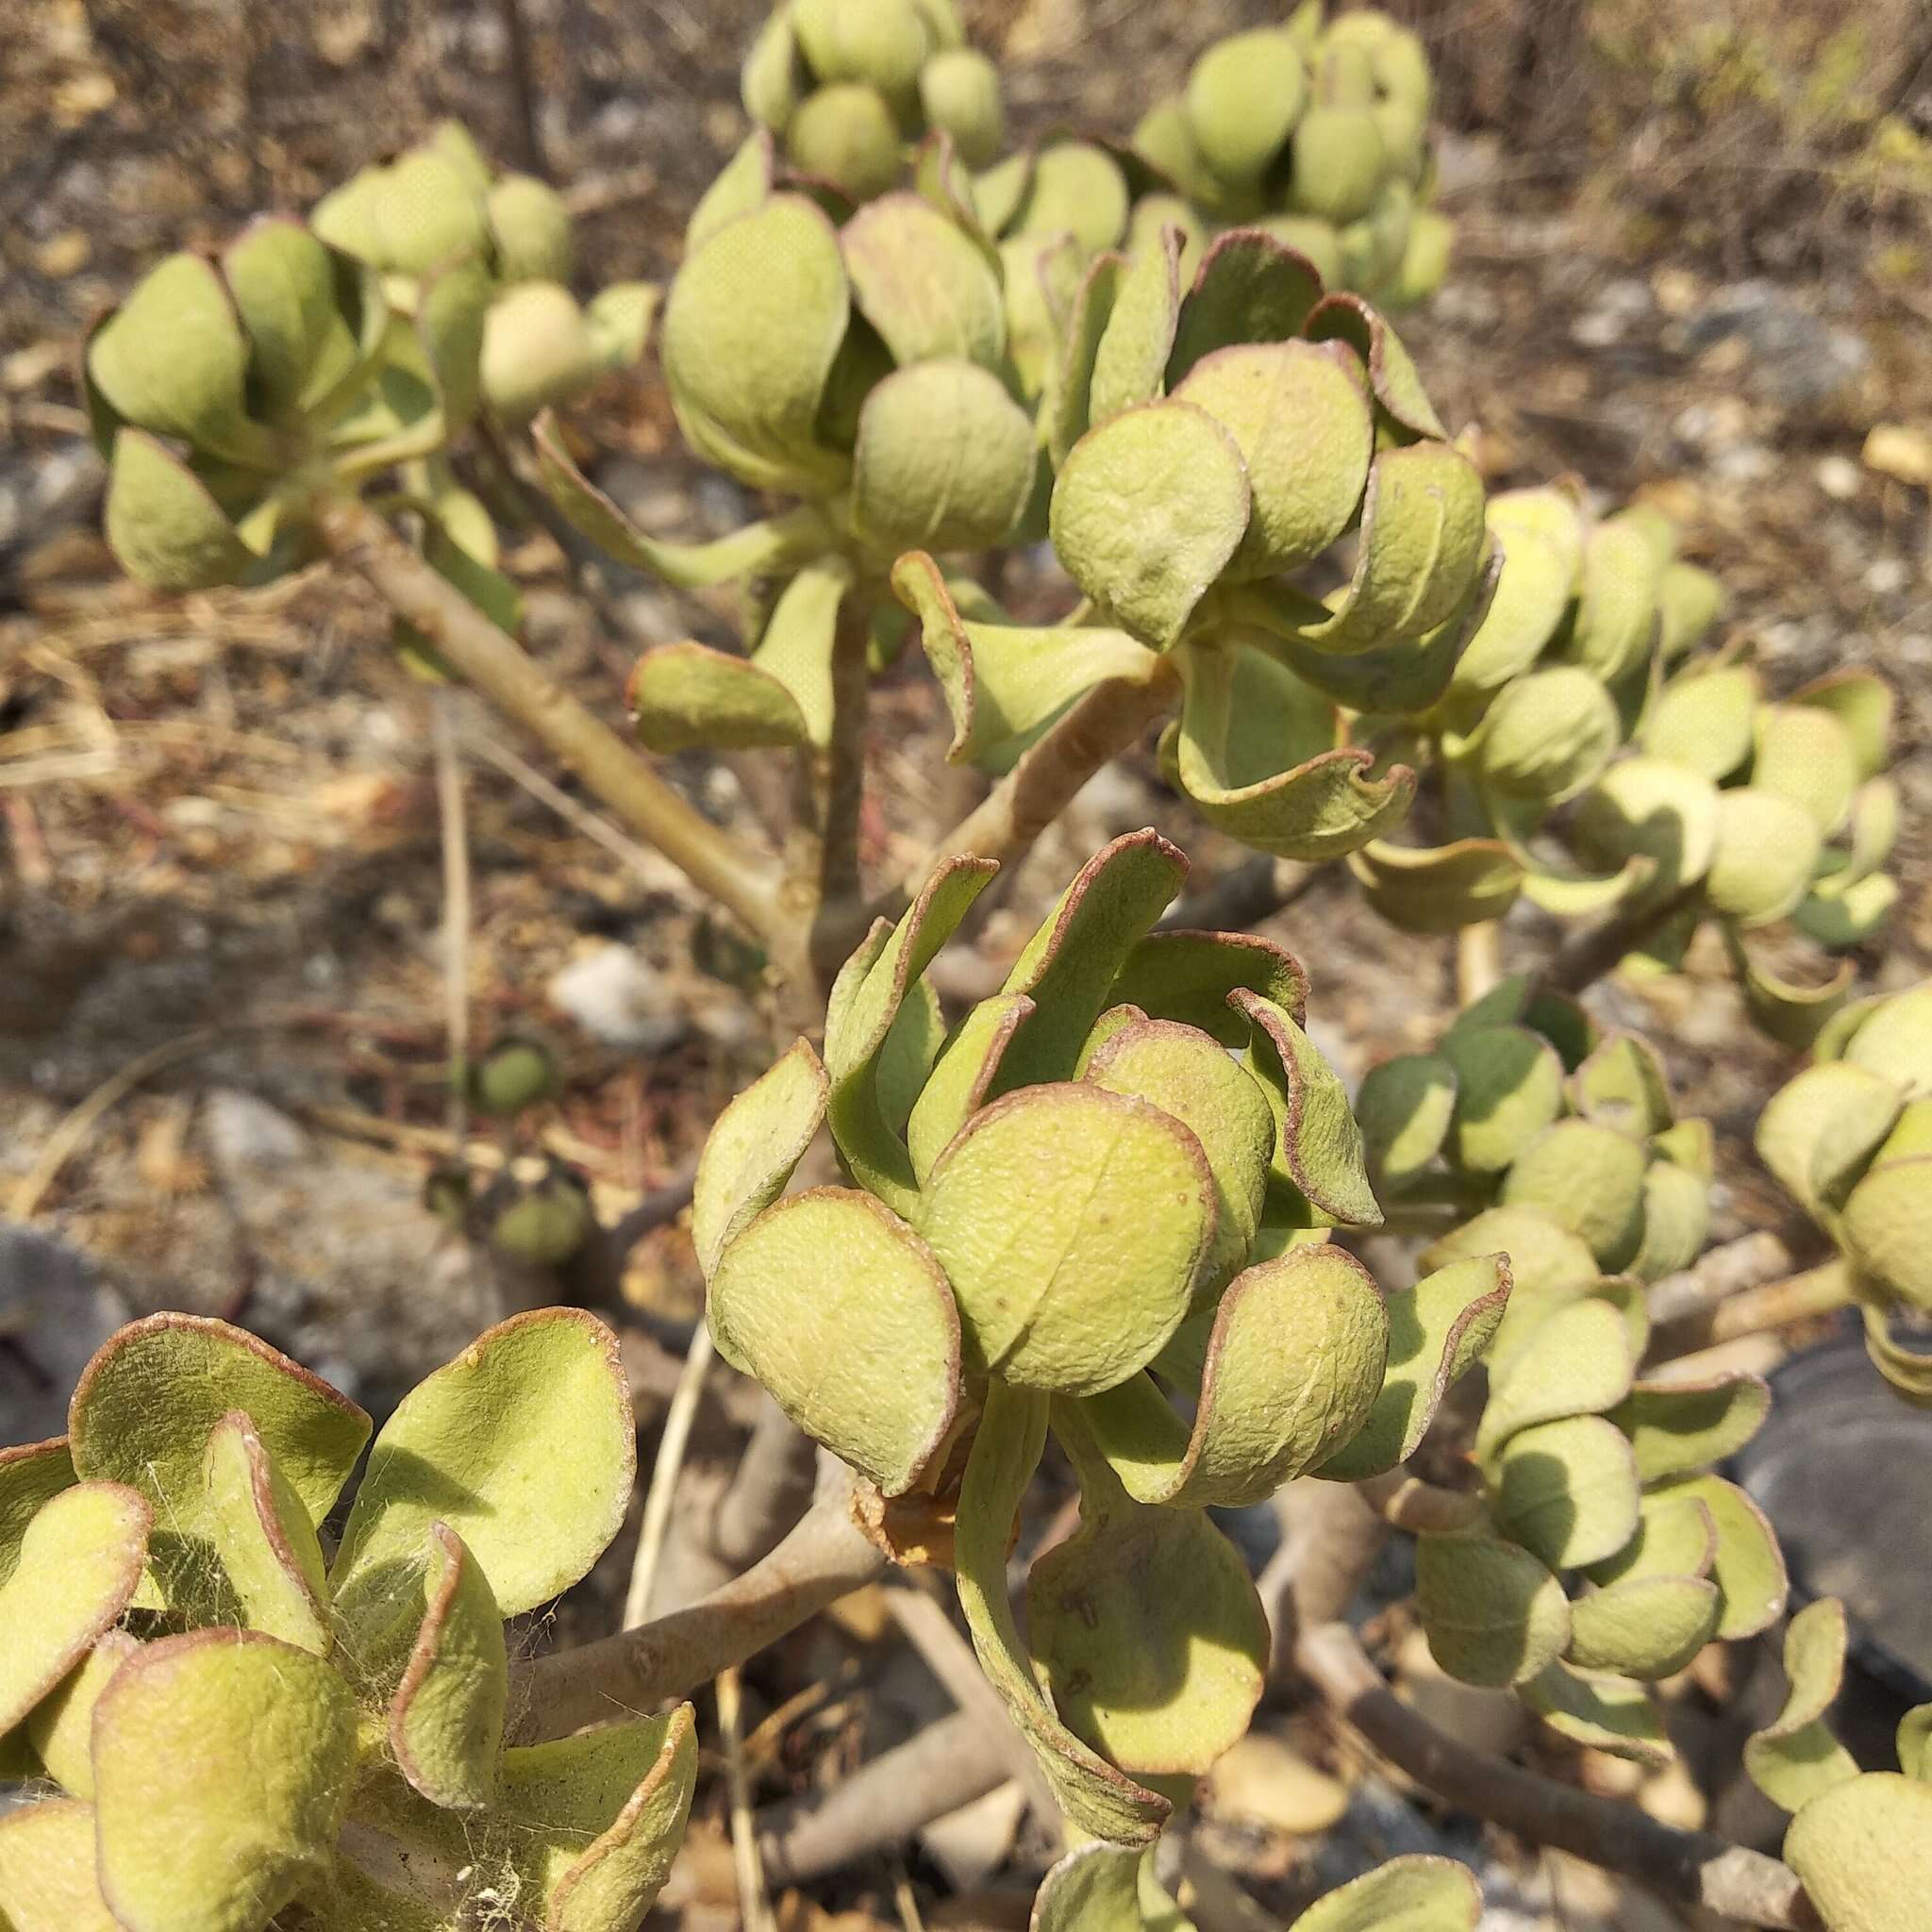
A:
{"points": [[1330, 1537], [884, 1803], [1799, 1297], [1694, 1866], [1702, 1287], [826, 1557], [523, 85], [839, 916], [1425, 1509], [456, 908], [1584, 960], [1103, 724], [1478, 962], [487, 659]]}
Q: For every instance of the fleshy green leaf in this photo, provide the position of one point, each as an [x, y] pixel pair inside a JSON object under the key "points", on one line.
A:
{"points": [[79, 1564], [1243, 96], [1805, 754], [47, 1878], [753, 1148], [1796, 1758], [1003, 682], [1250, 288], [1293, 1365], [1678, 1427], [1766, 852], [524, 1446], [1078, 186], [1493, 1613], [1508, 1089], [1257, 753], [1648, 1628], [923, 283], [266, 1544], [1320, 1150], [1885, 1228], [189, 1724], [1677, 1218], [1094, 1888], [1655, 809], [445, 1720], [1567, 1490], [1749, 1568], [1577, 1361], [1392, 372], [1437, 888], [1404, 1107], [1417, 1894], [30, 1473], [861, 1019], [1299, 414], [162, 521], [1162, 1677], [1070, 966], [1605, 1712], [1547, 736], [1071, 1223], [1702, 722], [1894, 1038], [1437, 1332], [962, 1077], [61, 1726], [1095, 1795], [1820, 1127], [1421, 550], [1142, 550], [1190, 1078], [1616, 602], [1864, 1852], [1588, 1179], [1865, 708], [1175, 974], [752, 328], [1548, 1265], [1541, 543], [832, 1275], [148, 1401], [945, 459], [1622, 1085], [1676, 1536], [600, 1817]]}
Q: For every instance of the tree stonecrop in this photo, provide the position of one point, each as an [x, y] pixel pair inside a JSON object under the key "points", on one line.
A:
{"points": [[1318, 132], [1567, 1142], [1106, 1191], [1851, 1139], [237, 1730]]}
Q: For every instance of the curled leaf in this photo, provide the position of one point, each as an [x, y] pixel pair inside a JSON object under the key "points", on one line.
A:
{"points": [[1795, 1758]]}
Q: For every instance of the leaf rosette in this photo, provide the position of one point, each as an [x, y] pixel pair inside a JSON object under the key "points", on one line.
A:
{"points": [[1601, 1553], [1098, 1206], [237, 1723], [1318, 133]]}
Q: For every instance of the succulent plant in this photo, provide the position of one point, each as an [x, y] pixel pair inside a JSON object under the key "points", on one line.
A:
{"points": [[237, 1725], [848, 86], [1861, 1842], [442, 201], [1101, 1885], [232, 395], [1851, 1139], [1109, 1185], [1318, 133], [861, 367], [1209, 439], [1587, 1470]]}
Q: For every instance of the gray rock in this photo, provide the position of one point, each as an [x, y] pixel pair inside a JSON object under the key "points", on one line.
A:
{"points": [[54, 1313], [1796, 358]]}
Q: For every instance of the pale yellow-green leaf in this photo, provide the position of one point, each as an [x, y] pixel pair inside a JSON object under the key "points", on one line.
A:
{"points": [[1144, 548], [1651, 808], [1567, 1490], [524, 1444], [162, 521], [1578, 1360], [1796, 1757], [600, 1817], [1438, 888], [1404, 1107], [1602, 1710], [1648, 1628], [1291, 1369], [1493, 1613], [1096, 1796], [959, 95], [1071, 1223], [1162, 1677], [47, 1877], [1437, 1332], [1622, 1085], [1677, 1428], [61, 1726], [1895, 1039], [1676, 1536], [845, 1316], [1588, 1179], [1703, 721], [1820, 1127], [1243, 97], [1508, 1089], [445, 1720], [30, 1473], [1887, 1228], [221, 1766], [753, 1148], [1416, 1893], [1547, 736], [1250, 288], [1766, 852], [1804, 754], [1748, 1569], [264, 1539], [1864, 1853]]}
